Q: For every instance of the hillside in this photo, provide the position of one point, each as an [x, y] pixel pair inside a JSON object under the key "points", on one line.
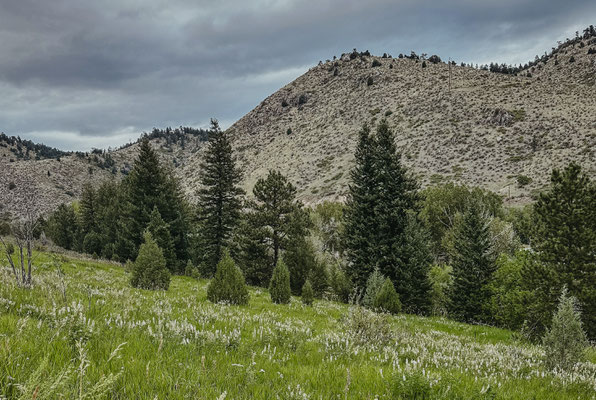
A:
{"points": [[503, 132], [82, 330], [487, 130]]}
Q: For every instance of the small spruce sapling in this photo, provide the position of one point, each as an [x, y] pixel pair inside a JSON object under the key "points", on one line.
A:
{"points": [[279, 287], [387, 299], [307, 293]]}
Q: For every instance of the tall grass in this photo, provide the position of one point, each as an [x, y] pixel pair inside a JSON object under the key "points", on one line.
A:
{"points": [[83, 332]]}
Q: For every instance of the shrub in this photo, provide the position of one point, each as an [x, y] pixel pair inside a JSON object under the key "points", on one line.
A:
{"points": [[284, 103], [319, 279], [279, 287], [423, 64], [373, 287], [523, 180], [11, 186], [367, 327], [440, 281], [228, 285], [307, 293], [435, 59], [565, 343], [376, 63], [302, 99], [369, 81], [342, 288], [149, 269], [387, 299], [191, 270]]}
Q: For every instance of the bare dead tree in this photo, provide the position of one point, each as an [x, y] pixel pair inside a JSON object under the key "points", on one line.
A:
{"points": [[20, 231]]}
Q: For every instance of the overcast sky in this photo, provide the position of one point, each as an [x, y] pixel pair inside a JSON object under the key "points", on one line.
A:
{"points": [[81, 74]]}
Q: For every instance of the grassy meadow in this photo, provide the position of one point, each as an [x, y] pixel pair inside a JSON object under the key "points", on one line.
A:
{"points": [[82, 332]]}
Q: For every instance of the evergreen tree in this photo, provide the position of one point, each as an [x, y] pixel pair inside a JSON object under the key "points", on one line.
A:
{"points": [[565, 241], [307, 293], [87, 207], [219, 197], [279, 287], [319, 279], [160, 232], [274, 219], [387, 299], [373, 286], [359, 213], [413, 284], [62, 226], [565, 342], [396, 194], [149, 269], [300, 258], [147, 186], [472, 266], [228, 284]]}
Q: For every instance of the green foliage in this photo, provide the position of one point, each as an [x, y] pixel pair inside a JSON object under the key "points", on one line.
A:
{"points": [[565, 241], [319, 278], [228, 285], [300, 258], [387, 299], [473, 266], [161, 233], [220, 198], [191, 270], [62, 226], [521, 219], [308, 294], [373, 287], [149, 270], [279, 287], [87, 206], [340, 284], [523, 180], [565, 342], [92, 244], [150, 185], [274, 220], [442, 204], [328, 225], [440, 279], [511, 300], [412, 282], [381, 193]]}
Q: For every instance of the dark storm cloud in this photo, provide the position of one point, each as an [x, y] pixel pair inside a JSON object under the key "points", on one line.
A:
{"points": [[80, 74]]}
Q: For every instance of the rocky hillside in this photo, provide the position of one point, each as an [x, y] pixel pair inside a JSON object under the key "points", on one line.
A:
{"points": [[501, 131]]}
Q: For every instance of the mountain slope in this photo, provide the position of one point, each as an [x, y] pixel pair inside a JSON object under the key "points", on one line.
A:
{"points": [[487, 130], [503, 132]]}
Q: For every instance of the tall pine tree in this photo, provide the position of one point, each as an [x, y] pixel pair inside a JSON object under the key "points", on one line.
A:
{"points": [[565, 242], [220, 198], [473, 266], [359, 213], [381, 193], [273, 219]]}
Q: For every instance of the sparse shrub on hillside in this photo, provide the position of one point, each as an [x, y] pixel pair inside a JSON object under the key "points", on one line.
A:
{"points": [[387, 299], [366, 326], [284, 103], [369, 81], [11, 186], [523, 180], [149, 270], [376, 63], [228, 284], [572, 59], [423, 64], [307, 293], [435, 59], [592, 50], [373, 287], [565, 342], [302, 99]]}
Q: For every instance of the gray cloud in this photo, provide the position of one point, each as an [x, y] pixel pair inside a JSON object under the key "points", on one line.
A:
{"points": [[84, 74]]}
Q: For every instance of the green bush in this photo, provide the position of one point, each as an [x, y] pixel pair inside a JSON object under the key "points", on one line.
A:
{"points": [[319, 279], [523, 180], [341, 285], [191, 270], [228, 285], [373, 287], [565, 343], [307, 293], [387, 299], [149, 269], [279, 287], [440, 280]]}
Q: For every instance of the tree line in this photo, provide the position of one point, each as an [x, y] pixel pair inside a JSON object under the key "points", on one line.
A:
{"points": [[446, 250]]}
